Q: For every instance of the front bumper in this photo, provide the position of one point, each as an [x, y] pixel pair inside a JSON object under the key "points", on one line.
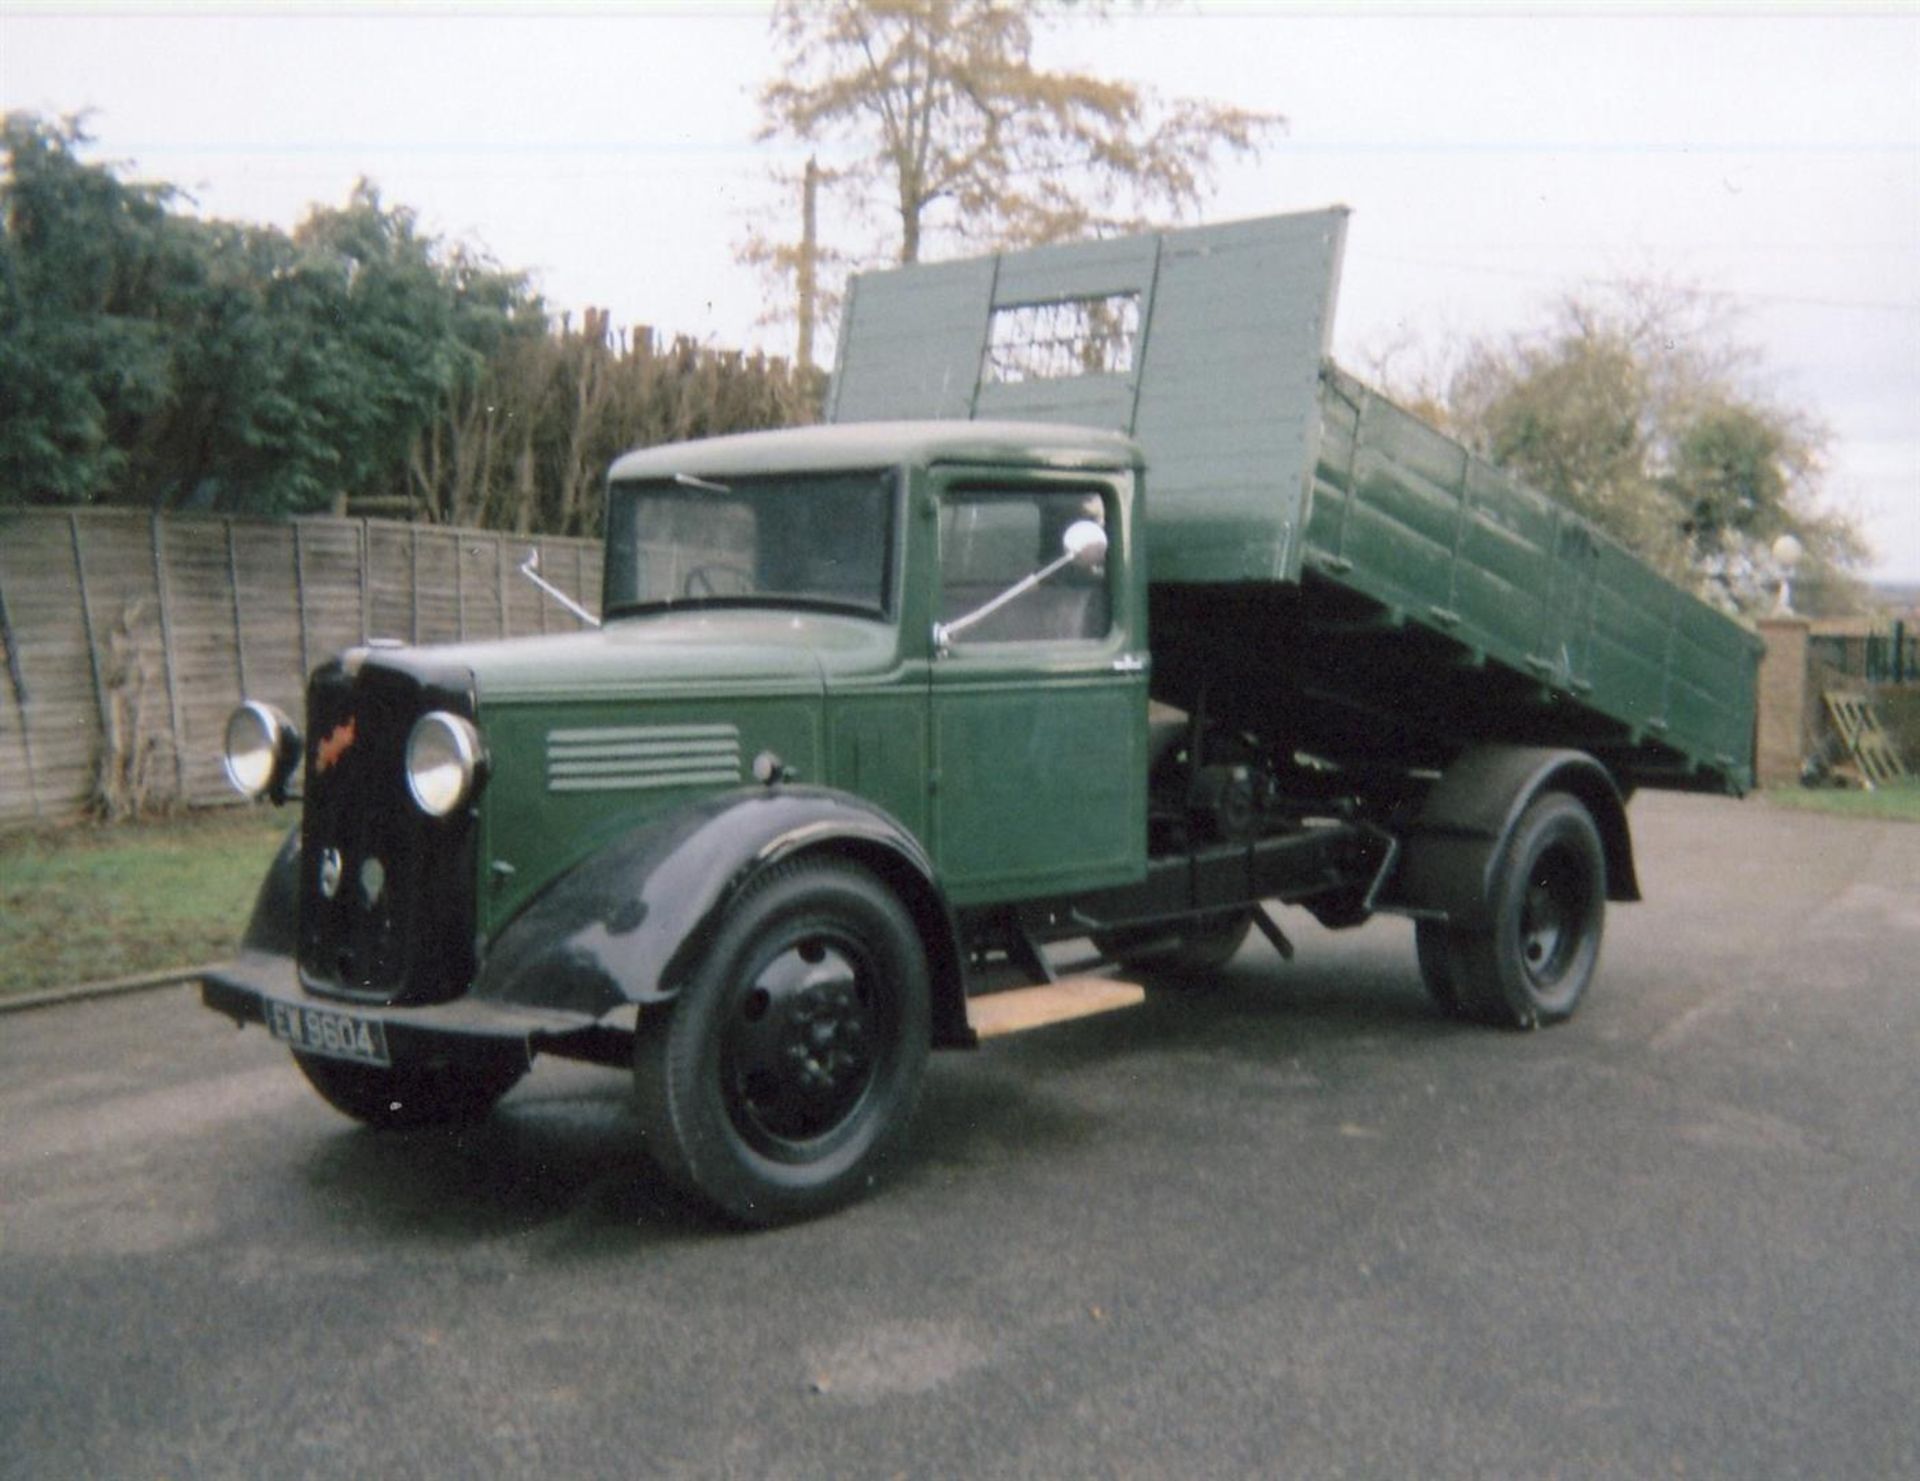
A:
{"points": [[466, 1028]]}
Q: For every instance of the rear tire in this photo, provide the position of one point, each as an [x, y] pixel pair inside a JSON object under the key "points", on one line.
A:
{"points": [[409, 1097], [782, 1079], [1548, 910]]}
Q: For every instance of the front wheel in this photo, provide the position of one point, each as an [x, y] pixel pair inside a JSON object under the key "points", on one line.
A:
{"points": [[782, 1078], [409, 1097], [1548, 907]]}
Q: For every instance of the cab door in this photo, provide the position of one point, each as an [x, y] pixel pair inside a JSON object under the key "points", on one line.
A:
{"points": [[1039, 707]]}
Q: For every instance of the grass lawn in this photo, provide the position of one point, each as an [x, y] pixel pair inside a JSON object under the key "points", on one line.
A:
{"points": [[85, 904], [1901, 803]]}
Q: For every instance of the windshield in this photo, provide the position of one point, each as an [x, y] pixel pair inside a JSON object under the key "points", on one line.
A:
{"points": [[807, 539]]}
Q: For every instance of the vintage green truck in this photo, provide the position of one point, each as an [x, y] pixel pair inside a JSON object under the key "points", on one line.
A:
{"points": [[1103, 617]]}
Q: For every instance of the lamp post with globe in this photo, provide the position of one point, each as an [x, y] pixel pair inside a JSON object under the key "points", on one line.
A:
{"points": [[1786, 552]]}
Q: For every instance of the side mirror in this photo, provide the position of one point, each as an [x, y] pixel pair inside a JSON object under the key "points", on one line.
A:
{"points": [[1085, 543], [530, 568]]}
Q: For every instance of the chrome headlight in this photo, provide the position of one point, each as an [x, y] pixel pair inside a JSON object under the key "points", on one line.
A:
{"points": [[443, 762], [262, 749]]}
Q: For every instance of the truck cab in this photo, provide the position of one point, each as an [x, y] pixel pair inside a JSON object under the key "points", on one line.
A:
{"points": [[912, 656], [1001, 724]]}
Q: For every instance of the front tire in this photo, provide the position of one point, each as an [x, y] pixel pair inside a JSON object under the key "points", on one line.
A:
{"points": [[781, 1080], [1548, 909], [409, 1097]]}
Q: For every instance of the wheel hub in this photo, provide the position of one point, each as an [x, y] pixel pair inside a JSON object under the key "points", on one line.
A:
{"points": [[825, 1038], [799, 1052], [1549, 916]]}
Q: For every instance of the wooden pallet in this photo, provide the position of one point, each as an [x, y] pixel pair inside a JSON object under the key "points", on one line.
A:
{"points": [[1852, 715]]}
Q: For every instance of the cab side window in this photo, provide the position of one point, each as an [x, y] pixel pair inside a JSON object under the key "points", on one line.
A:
{"points": [[991, 539]]}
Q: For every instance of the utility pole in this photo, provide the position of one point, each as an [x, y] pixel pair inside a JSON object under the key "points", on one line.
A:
{"points": [[809, 258]]}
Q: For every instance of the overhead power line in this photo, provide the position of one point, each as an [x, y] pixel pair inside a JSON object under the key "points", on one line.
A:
{"points": [[1895, 306]]}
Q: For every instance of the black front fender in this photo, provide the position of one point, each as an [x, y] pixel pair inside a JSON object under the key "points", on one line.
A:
{"points": [[629, 924], [274, 926]]}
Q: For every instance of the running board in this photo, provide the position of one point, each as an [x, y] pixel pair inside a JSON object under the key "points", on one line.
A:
{"points": [[1021, 1008]]}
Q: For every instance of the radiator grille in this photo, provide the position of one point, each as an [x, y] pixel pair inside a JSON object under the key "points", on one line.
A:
{"points": [[642, 757], [397, 924]]}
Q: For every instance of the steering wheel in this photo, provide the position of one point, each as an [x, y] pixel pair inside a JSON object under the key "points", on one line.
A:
{"points": [[717, 579]]}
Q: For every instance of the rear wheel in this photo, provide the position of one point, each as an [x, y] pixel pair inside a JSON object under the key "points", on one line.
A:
{"points": [[781, 1080], [1548, 908], [411, 1096]]}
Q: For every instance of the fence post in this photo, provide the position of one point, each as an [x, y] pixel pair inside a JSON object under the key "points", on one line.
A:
{"points": [[86, 624], [300, 602], [17, 677], [239, 633], [500, 574], [167, 661], [366, 581]]}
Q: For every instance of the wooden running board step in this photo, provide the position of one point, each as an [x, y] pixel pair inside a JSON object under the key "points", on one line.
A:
{"points": [[1019, 1009]]}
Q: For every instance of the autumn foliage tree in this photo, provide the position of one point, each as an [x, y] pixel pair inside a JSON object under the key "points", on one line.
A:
{"points": [[935, 114], [1640, 407]]}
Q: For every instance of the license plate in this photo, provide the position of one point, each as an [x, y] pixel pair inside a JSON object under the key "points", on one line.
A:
{"points": [[329, 1032]]}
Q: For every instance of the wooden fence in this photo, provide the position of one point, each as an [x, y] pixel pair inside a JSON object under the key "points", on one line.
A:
{"points": [[129, 638]]}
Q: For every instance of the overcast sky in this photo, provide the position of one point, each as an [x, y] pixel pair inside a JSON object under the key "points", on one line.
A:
{"points": [[1493, 158]]}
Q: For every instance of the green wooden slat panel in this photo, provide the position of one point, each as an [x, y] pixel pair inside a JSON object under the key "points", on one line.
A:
{"points": [[1415, 560], [1094, 401], [1502, 617], [1077, 270], [1242, 318], [1633, 685], [1632, 604], [1324, 518], [1504, 583], [1533, 588], [1628, 655], [1223, 390], [911, 343], [1396, 480]]}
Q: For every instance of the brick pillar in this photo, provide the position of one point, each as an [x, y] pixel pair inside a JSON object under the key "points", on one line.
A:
{"points": [[1783, 700]]}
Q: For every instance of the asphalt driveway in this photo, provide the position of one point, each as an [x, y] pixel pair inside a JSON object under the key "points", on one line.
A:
{"points": [[1299, 1226]]}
